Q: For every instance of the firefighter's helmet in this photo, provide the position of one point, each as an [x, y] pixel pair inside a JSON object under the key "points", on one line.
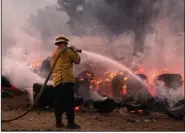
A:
{"points": [[61, 38]]}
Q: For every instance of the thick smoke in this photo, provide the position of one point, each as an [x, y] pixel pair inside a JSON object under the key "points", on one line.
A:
{"points": [[111, 17], [164, 47], [16, 42], [156, 28], [115, 28], [172, 96]]}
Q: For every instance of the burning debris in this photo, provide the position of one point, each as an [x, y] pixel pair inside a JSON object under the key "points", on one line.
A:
{"points": [[105, 91], [34, 66], [9, 90], [134, 94], [170, 80]]}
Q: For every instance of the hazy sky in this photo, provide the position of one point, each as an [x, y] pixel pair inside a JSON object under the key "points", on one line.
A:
{"points": [[28, 6]]}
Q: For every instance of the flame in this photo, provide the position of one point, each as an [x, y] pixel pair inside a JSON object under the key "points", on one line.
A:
{"points": [[139, 71], [138, 111], [124, 91], [35, 64], [76, 108], [162, 71], [121, 73], [106, 78], [125, 78]]}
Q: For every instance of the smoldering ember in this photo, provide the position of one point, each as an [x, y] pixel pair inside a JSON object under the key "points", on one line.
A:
{"points": [[131, 73]]}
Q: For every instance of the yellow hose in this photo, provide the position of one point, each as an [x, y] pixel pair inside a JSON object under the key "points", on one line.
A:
{"points": [[40, 93]]}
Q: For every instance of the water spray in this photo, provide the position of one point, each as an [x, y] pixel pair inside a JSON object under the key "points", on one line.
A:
{"points": [[49, 74], [119, 65]]}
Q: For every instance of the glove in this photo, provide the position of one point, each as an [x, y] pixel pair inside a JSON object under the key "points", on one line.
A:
{"points": [[73, 48]]}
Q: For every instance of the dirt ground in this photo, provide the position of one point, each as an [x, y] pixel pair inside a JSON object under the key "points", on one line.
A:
{"points": [[115, 121]]}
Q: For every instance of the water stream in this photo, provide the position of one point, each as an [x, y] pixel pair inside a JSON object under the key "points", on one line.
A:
{"points": [[103, 59], [112, 62]]}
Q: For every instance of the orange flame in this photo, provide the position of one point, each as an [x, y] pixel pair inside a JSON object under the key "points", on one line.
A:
{"points": [[162, 71], [76, 108], [139, 71], [35, 64], [124, 91], [107, 77]]}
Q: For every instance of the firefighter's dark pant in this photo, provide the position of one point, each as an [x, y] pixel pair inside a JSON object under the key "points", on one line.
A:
{"points": [[64, 102]]}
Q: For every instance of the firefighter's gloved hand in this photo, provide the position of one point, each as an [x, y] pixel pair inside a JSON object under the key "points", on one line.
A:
{"points": [[73, 48]]}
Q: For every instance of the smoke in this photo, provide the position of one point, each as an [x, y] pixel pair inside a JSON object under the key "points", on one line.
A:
{"points": [[16, 41], [30, 94], [154, 28], [137, 61], [112, 28], [172, 96], [167, 38]]}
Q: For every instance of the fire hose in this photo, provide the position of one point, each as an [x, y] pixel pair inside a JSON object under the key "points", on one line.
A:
{"points": [[42, 89]]}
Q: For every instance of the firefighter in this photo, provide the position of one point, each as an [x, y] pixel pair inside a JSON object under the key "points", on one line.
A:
{"points": [[63, 82]]}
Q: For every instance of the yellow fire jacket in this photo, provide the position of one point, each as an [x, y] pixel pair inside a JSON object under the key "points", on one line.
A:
{"points": [[63, 71]]}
